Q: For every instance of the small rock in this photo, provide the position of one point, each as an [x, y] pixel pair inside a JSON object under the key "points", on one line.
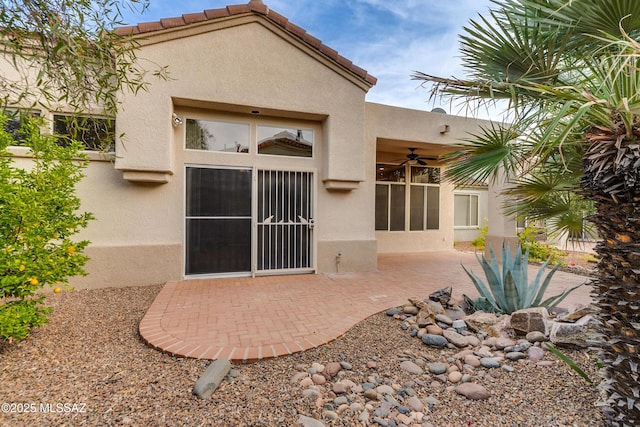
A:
{"points": [[472, 340], [381, 422], [410, 309], [434, 340], [340, 388], [311, 393], [372, 364], [489, 363], [305, 421], [346, 366], [502, 343], [515, 355], [299, 376], [433, 330], [330, 415], [393, 311], [437, 368], [441, 295], [473, 391], [385, 389], [472, 360], [371, 394], [317, 367], [340, 400], [411, 367], [444, 319], [536, 336], [306, 381], [364, 417], [455, 376], [331, 369], [508, 368], [535, 353], [404, 419], [415, 404], [318, 379], [455, 338]]}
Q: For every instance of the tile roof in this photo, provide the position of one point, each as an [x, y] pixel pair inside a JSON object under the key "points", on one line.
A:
{"points": [[254, 6]]}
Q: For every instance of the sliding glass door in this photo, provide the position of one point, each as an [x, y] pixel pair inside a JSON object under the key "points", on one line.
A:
{"points": [[218, 221]]}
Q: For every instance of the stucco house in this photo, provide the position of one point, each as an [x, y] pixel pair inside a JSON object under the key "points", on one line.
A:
{"points": [[260, 155]]}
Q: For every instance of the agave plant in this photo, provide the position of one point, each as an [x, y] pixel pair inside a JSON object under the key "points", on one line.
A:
{"points": [[509, 290]]}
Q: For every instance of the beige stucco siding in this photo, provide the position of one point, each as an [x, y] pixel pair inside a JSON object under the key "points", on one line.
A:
{"points": [[225, 71], [247, 64], [416, 128]]}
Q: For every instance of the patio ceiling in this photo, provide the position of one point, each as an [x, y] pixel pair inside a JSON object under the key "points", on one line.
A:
{"points": [[395, 151]]}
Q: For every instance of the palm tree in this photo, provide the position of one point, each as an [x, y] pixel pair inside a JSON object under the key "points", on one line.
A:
{"points": [[570, 72]]}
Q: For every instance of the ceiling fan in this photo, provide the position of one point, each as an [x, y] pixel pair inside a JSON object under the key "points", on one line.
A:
{"points": [[414, 158]]}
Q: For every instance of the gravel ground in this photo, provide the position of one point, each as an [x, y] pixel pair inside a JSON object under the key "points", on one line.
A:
{"points": [[89, 367]]}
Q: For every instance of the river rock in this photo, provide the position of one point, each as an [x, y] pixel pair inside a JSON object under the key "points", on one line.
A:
{"points": [[455, 338], [489, 362], [473, 391], [411, 367], [536, 336], [331, 369], [437, 368], [434, 340]]}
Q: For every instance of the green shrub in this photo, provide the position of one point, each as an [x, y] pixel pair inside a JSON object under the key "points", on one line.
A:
{"points": [[509, 290], [39, 214], [539, 251], [480, 241]]}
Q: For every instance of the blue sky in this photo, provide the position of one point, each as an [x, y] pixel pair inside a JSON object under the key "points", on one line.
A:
{"points": [[389, 38]]}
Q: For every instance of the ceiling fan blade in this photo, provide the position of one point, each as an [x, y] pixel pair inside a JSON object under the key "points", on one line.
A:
{"points": [[422, 162]]}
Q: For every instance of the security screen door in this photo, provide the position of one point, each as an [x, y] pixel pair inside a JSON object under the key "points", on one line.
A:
{"points": [[284, 221], [219, 221]]}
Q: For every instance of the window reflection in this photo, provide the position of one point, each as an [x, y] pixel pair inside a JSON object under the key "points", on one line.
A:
{"points": [[217, 136], [285, 141]]}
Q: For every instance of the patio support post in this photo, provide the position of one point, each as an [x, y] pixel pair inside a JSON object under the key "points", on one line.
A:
{"points": [[502, 228]]}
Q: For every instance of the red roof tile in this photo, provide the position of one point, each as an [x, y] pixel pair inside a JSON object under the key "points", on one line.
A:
{"points": [[254, 6]]}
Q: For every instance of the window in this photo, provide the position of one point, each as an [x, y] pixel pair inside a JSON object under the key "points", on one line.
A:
{"points": [[96, 133], [425, 199], [393, 193], [14, 123], [285, 141], [465, 210], [212, 135]]}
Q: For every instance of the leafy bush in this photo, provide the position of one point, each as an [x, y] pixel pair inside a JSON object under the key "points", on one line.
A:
{"points": [[39, 213], [480, 241], [539, 251], [510, 290]]}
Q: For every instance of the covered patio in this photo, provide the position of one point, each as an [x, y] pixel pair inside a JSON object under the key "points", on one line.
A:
{"points": [[249, 319]]}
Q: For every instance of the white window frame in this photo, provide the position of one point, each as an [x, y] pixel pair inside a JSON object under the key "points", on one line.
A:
{"points": [[407, 184], [470, 195]]}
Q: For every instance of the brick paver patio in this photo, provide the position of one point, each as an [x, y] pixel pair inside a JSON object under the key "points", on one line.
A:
{"points": [[248, 319]]}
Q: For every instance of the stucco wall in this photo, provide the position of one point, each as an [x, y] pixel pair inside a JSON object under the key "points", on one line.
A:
{"points": [[230, 69], [407, 126]]}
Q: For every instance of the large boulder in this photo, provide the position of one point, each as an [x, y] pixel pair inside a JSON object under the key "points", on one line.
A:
{"points": [[530, 320], [582, 333]]}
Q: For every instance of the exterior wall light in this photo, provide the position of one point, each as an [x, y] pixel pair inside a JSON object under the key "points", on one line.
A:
{"points": [[176, 120]]}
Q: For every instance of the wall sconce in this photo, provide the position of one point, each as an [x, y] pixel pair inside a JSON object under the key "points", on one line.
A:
{"points": [[444, 129], [176, 120]]}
